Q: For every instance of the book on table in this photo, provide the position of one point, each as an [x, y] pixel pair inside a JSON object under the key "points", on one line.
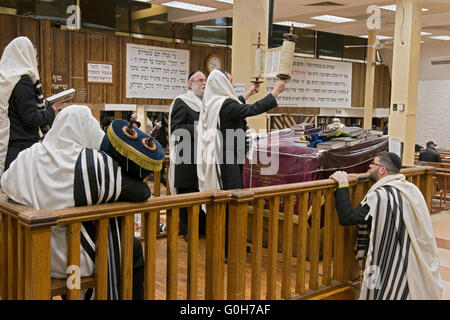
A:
{"points": [[331, 144], [303, 126], [352, 131]]}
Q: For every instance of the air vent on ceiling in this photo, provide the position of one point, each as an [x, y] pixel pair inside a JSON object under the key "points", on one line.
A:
{"points": [[324, 4]]}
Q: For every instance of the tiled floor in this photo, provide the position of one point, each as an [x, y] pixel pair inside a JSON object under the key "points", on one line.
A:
{"points": [[441, 226]]}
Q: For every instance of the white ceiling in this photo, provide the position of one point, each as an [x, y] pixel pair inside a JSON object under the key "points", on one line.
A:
{"points": [[435, 21]]}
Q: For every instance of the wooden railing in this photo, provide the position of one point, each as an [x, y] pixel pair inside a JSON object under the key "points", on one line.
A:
{"points": [[322, 262]]}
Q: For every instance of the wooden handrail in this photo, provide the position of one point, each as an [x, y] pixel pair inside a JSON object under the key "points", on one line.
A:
{"points": [[26, 247]]}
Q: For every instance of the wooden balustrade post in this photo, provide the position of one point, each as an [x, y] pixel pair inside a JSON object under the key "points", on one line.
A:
{"points": [[257, 243], [126, 269], [426, 186], [3, 257], [150, 254], [215, 246], [37, 262], [272, 246], [73, 258], [237, 240], [288, 226], [172, 253], [101, 259]]}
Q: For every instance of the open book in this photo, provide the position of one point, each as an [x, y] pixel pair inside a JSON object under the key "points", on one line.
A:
{"points": [[62, 96]]}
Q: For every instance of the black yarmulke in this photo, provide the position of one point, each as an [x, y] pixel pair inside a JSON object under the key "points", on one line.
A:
{"points": [[395, 159]]}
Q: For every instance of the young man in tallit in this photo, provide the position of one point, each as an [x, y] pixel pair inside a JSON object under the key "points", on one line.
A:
{"points": [[402, 258], [77, 164], [183, 116], [22, 107]]}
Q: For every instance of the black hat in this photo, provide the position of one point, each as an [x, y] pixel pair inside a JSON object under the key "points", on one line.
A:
{"points": [[395, 159], [431, 143]]}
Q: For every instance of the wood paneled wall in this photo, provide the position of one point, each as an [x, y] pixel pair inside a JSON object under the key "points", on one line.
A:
{"points": [[64, 52]]}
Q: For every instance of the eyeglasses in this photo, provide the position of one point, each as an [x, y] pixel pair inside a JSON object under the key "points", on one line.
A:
{"points": [[376, 164], [199, 80]]}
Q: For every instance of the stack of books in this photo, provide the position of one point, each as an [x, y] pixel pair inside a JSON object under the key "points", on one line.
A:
{"points": [[349, 141], [305, 128], [352, 132], [331, 144]]}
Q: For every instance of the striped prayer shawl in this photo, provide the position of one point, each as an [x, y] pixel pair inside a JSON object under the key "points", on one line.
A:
{"points": [[385, 275], [98, 180], [40, 103]]}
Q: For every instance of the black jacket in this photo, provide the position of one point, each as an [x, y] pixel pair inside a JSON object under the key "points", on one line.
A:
{"points": [[349, 216], [24, 116], [430, 154], [184, 117], [232, 116]]}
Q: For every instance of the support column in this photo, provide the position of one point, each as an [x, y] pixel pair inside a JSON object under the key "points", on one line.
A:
{"points": [[370, 79], [249, 18], [405, 76]]}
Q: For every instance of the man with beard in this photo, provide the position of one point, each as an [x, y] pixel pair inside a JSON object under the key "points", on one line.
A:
{"points": [[402, 258], [183, 114]]}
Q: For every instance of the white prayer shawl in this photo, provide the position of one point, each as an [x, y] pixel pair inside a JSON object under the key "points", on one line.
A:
{"points": [[218, 89], [18, 59], [195, 103], [402, 243], [49, 183]]}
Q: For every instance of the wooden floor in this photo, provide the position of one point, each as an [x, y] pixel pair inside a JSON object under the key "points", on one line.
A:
{"points": [[161, 253]]}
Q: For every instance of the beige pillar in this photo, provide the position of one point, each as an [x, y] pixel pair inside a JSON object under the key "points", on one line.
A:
{"points": [[405, 75], [249, 18], [370, 79]]}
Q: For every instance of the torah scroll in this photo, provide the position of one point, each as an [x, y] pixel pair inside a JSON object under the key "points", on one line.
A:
{"points": [[275, 62]]}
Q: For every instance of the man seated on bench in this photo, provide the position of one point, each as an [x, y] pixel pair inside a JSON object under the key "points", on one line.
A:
{"points": [[77, 164]]}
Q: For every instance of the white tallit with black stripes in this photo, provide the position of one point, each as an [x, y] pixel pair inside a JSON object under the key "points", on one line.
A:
{"points": [[98, 180], [402, 258], [42, 176]]}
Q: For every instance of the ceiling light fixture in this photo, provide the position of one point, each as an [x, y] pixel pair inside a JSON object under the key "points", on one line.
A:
{"points": [[296, 24], [330, 18], [188, 6], [446, 38], [226, 1]]}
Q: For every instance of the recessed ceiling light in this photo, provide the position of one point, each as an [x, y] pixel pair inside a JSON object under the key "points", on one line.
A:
{"points": [[330, 18], [379, 37], [446, 38], [188, 6], [226, 1], [393, 7], [296, 24], [425, 33]]}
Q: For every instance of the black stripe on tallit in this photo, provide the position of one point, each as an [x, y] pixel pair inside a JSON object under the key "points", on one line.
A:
{"points": [[113, 244], [399, 242], [89, 226], [374, 262], [92, 175], [392, 243], [79, 193]]}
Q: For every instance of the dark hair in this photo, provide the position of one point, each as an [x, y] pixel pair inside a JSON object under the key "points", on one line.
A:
{"points": [[390, 161], [193, 73]]}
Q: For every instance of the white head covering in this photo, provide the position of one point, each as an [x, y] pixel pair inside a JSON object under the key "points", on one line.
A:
{"points": [[18, 59], [218, 89], [48, 184], [43, 175], [195, 103]]}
